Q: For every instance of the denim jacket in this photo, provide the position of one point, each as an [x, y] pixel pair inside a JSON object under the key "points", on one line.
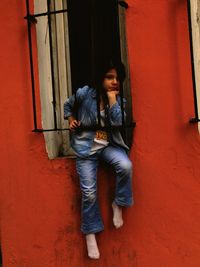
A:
{"points": [[86, 113]]}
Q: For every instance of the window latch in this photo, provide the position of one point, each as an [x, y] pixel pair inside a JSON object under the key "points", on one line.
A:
{"points": [[194, 120], [31, 18]]}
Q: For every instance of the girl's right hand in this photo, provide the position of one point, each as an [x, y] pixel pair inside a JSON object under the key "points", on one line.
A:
{"points": [[73, 123]]}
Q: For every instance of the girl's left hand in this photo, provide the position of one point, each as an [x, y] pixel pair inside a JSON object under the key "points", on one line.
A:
{"points": [[112, 97], [112, 94]]}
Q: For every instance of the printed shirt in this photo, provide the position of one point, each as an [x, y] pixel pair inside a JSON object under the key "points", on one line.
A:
{"points": [[101, 137]]}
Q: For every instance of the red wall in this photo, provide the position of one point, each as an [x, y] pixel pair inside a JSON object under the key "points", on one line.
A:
{"points": [[40, 198]]}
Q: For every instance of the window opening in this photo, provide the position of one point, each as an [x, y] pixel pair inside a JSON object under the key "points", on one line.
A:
{"points": [[97, 23], [89, 23]]}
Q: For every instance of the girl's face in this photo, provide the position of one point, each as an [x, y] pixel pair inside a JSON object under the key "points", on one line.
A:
{"points": [[111, 81]]}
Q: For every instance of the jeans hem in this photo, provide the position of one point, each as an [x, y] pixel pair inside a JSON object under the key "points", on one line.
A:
{"points": [[124, 203], [92, 231]]}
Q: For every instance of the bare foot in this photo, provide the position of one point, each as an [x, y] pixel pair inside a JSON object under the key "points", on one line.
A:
{"points": [[117, 215], [93, 251]]}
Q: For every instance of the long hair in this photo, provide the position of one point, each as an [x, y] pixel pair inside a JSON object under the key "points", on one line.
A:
{"points": [[104, 66]]}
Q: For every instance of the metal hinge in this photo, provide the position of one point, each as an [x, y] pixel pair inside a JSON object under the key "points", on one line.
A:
{"points": [[123, 4]]}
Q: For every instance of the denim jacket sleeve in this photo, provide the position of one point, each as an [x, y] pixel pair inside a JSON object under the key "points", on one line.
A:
{"points": [[115, 113], [69, 105]]}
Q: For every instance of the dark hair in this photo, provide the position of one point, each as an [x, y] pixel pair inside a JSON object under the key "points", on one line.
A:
{"points": [[104, 66]]}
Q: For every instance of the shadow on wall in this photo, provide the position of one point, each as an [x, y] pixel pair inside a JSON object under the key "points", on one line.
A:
{"points": [[177, 67]]}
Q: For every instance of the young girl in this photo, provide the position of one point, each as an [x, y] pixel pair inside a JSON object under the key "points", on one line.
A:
{"points": [[86, 109]]}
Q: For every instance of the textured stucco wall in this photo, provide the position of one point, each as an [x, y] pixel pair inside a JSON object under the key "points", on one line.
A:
{"points": [[40, 198], [166, 149]]}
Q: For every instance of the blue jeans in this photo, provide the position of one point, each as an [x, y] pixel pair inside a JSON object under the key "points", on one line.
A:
{"points": [[87, 170]]}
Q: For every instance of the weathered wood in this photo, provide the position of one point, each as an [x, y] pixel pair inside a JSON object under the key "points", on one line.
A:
{"points": [[195, 17], [124, 57], [64, 76], [57, 143]]}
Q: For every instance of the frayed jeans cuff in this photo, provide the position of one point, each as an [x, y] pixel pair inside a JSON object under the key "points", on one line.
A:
{"points": [[91, 230], [127, 203]]}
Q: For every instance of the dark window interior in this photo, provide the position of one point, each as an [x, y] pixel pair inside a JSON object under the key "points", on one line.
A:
{"points": [[93, 35]]}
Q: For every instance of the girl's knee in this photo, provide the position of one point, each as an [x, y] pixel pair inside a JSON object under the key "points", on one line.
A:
{"points": [[126, 166]]}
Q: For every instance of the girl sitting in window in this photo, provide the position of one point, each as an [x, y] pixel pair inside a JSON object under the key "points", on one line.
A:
{"points": [[85, 110]]}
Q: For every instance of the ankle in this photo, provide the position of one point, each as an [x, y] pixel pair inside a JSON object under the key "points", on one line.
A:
{"points": [[117, 215], [92, 248]]}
